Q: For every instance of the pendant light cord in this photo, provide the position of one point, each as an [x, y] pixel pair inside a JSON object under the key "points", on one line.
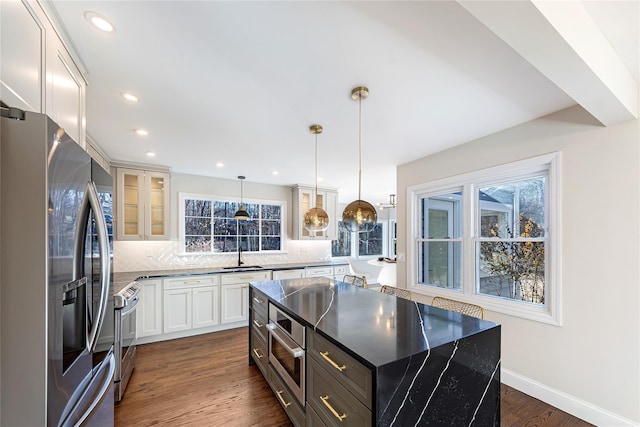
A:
{"points": [[316, 202], [360, 147]]}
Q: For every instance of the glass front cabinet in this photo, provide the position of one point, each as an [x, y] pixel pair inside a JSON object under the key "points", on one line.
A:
{"points": [[305, 198], [142, 205]]}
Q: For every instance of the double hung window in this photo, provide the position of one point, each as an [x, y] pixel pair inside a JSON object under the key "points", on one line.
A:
{"points": [[490, 237], [371, 243], [207, 225]]}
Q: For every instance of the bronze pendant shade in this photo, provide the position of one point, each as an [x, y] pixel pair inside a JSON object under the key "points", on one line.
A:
{"points": [[241, 212], [316, 219], [359, 215]]}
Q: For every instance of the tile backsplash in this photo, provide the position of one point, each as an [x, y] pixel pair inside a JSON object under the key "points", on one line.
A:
{"points": [[163, 255]]}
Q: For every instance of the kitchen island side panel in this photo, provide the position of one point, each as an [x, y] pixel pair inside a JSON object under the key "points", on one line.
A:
{"points": [[457, 383]]}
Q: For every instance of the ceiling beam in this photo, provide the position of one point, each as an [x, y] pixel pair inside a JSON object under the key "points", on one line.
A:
{"points": [[560, 39]]}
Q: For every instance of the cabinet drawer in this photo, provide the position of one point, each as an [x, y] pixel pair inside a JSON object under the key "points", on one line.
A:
{"points": [[259, 352], [313, 419], [345, 369], [245, 277], [319, 272], [288, 274], [294, 411], [340, 270], [259, 324], [335, 405], [191, 281], [259, 301]]}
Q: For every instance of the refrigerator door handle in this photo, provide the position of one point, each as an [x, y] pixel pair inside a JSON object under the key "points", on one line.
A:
{"points": [[91, 202], [105, 375]]}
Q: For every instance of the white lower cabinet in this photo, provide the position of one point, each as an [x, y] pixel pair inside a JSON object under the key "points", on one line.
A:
{"points": [[191, 302], [325, 271], [234, 294], [149, 311], [297, 273]]}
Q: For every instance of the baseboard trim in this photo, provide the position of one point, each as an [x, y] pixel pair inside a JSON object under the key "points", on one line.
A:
{"points": [[565, 402]]}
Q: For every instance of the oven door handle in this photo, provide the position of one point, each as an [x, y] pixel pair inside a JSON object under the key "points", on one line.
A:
{"points": [[282, 338], [130, 307]]}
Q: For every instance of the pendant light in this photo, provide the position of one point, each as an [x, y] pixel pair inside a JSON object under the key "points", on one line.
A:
{"points": [[359, 215], [241, 213], [316, 219]]}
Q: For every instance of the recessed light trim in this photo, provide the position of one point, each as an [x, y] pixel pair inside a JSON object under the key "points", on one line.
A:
{"points": [[130, 97], [99, 21], [274, 173], [220, 165], [150, 154], [141, 132]]}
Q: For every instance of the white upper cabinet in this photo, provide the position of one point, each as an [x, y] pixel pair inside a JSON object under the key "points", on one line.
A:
{"points": [[305, 198], [143, 204], [37, 71]]}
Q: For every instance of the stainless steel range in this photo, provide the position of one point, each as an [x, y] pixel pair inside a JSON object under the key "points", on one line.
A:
{"points": [[125, 303]]}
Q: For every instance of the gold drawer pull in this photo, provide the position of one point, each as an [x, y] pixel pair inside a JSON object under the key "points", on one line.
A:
{"points": [[279, 394], [258, 355], [258, 300], [258, 324], [190, 282], [325, 400], [326, 357], [246, 277]]}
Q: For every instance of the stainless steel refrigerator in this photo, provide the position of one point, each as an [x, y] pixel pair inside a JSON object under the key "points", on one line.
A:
{"points": [[56, 293]]}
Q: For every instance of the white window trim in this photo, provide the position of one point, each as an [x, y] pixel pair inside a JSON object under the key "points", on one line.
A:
{"points": [[551, 311], [183, 196]]}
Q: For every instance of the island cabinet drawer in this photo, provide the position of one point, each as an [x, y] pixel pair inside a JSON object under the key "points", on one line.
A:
{"points": [[259, 352], [294, 411], [259, 323], [334, 404], [352, 374], [313, 419], [259, 301], [191, 281], [245, 277], [340, 270]]}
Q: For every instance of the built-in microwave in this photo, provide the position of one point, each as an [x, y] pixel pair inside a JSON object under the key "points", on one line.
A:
{"points": [[287, 350]]}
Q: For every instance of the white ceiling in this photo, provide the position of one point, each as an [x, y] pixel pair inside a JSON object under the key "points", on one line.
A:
{"points": [[241, 82]]}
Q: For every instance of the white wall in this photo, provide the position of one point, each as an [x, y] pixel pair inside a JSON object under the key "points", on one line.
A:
{"points": [[590, 364], [164, 255]]}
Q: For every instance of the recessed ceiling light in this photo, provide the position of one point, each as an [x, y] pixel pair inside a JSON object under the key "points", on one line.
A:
{"points": [[141, 132], [99, 21], [320, 178], [274, 172], [130, 97], [151, 154], [220, 164]]}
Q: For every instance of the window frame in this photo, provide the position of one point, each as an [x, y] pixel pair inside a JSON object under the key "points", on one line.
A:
{"points": [[355, 243], [550, 312], [215, 198]]}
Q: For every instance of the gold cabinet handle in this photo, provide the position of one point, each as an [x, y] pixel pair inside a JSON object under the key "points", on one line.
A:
{"points": [[258, 300], [258, 324], [325, 400], [190, 282], [326, 357], [258, 355], [246, 277], [279, 394]]}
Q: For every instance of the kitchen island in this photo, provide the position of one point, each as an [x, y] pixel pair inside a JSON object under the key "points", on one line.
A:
{"points": [[374, 359]]}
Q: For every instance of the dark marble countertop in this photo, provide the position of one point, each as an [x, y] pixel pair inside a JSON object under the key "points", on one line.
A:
{"points": [[121, 279], [376, 328]]}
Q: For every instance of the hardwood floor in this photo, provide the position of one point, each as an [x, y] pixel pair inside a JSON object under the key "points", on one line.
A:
{"points": [[206, 381]]}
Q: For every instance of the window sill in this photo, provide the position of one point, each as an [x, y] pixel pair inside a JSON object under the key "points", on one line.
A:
{"points": [[521, 309]]}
